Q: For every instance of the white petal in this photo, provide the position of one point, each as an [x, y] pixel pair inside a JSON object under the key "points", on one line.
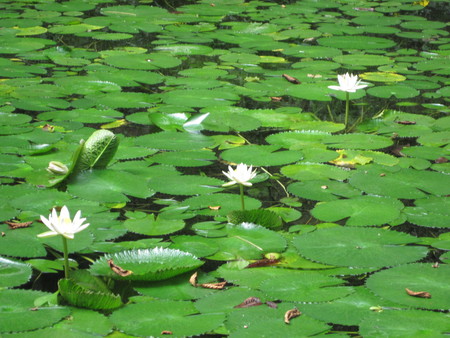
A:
{"points": [[48, 234]]}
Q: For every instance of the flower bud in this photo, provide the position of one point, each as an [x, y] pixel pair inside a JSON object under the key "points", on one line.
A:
{"points": [[57, 168]]}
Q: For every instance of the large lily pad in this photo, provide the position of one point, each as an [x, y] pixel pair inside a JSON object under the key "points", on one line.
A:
{"points": [[391, 284], [147, 264], [359, 247]]}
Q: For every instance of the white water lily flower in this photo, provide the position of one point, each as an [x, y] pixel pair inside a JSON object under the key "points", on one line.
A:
{"points": [[348, 83], [62, 224], [241, 175]]}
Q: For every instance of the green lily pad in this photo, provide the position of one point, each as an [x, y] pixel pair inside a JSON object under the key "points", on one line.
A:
{"points": [[185, 184], [314, 171], [350, 310], [405, 323], [200, 97], [404, 183], [261, 155], [13, 273], [357, 141], [391, 284], [356, 42], [360, 211], [143, 61], [179, 317], [399, 91], [255, 321], [171, 140], [247, 241], [359, 247], [189, 158], [305, 287], [147, 264], [430, 212], [17, 304], [153, 226], [363, 59]]}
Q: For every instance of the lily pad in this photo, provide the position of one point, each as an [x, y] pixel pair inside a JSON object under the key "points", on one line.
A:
{"points": [[17, 303], [179, 317], [13, 273], [261, 155], [390, 284], [359, 247], [148, 264]]}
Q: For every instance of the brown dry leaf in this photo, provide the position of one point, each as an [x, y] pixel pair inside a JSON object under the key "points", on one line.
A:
{"points": [[118, 270], [314, 76], [407, 123], [249, 302], [291, 314], [18, 225], [215, 286], [3, 234], [273, 305], [217, 207], [166, 332], [419, 294], [276, 98], [441, 160], [435, 265], [291, 79], [193, 279], [262, 263]]}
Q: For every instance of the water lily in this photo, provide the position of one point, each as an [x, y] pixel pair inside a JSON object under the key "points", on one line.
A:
{"points": [[62, 224], [58, 168], [241, 175], [348, 83]]}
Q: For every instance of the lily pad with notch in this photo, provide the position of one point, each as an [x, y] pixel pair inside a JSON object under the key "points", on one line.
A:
{"points": [[359, 247]]}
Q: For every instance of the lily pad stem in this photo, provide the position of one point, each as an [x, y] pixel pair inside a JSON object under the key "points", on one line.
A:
{"points": [[347, 106], [241, 188], [66, 257]]}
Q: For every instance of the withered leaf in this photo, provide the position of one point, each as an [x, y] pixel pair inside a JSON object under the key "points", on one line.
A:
{"points": [[216, 207], [435, 265], [273, 305], [291, 314], [118, 270], [262, 263], [193, 279], [441, 160], [166, 332], [18, 225], [419, 294], [291, 79], [406, 122], [249, 302], [276, 98], [215, 286]]}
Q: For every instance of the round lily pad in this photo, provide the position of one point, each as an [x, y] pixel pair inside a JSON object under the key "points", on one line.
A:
{"points": [[418, 277], [17, 303], [261, 155], [147, 264], [179, 317], [356, 42], [171, 140], [405, 323], [382, 77], [13, 273], [255, 322], [359, 247], [186, 184], [143, 61], [357, 141]]}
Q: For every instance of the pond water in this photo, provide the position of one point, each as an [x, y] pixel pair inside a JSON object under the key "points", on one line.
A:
{"points": [[342, 231]]}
